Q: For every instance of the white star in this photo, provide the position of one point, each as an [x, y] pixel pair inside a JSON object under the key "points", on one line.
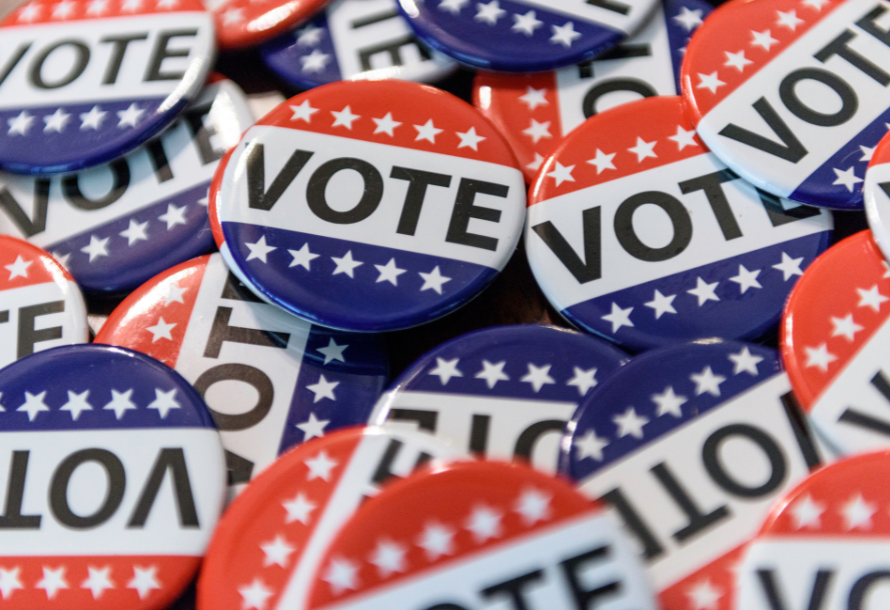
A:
{"points": [[120, 403], [492, 373], [746, 279], [130, 116], [77, 403], [816, 4], [537, 163], [131, 6], [807, 513], [309, 36], [333, 351], [166, 4], [323, 389], [342, 574], [590, 446], [56, 121], [9, 581], [389, 558], [98, 581], [174, 216], [303, 112], [602, 161], [846, 327], [762, 39], [135, 232], [302, 257], [233, 16], [346, 264], [630, 424], [689, 19], [20, 124], [789, 20], [643, 149], [2, 408], [313, 427], [436, 540], [886, 269], [164, 402], [63, 9], [144, 580], [534, 98], [97, 8], [62, 258], [533, 506], [344, 118], [254, 595], [96, 248], [428, 131], [538, 376], [661, 304], [30, 12], [709, 82], [298, 509], [469, 139], [618, 317], [737, 61], [52, 581], [583, 380], [668, 402], [485, 523], [526, 24], [537, 130], [564, 34], [819, 357], [161, 330], [320, 467], [684, 138], [866, 152], [704, 596], [746, 362], [19, 268], [452, 6], [389, 272], [707, 381], [489, 13], [386, 125], [174, 294], [562, 173], [277, 552], [33, 405], [871, 298], [704, 291], [446, 369], [858, 513], [847, 178], [789, 266], [433, 280]]}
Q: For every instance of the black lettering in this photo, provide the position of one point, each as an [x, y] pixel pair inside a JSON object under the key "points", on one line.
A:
{"points": [[81, 59], [426, 420], [58, 490], [801, 432], [772, 451], [651, 547], [418, 181], [28, 335], [162, 51], [159, 161], [258, 197], [525, 444], [367, 205], [41, 198], [465, 209], [868, 23], [711, 184], [610, 5], [120, 173], [12, 517], [590, 268], [246, 374], [633, 245], [571, 568], [788, 94], [861, 588], [698, 521], [625, 51], [201, 134], [393, 48], [514, 589], [220, 332], [4, 316], [117, 54], [172, 460], [855, 417], [790, 148], [239, 469], [839, 47], [13, 61], [234, 290], [634, 85], [384, 473], [775, 599], [446, 606], [777, 213], [479, 433]]}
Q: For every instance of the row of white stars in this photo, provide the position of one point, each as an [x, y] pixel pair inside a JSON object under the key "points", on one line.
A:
{"points": [[630, 423], [65, 9], [387, 125], [491, 12], [99, 580], [857, 513], [704, 291], [120, 403], [57, 121], [537, 376], [346, 264]]}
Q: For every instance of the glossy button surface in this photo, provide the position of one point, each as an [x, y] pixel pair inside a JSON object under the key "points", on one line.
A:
{"points": [[242, 23]]}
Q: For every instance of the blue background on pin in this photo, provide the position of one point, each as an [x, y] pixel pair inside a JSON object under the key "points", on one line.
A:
{"points": [[304, 57], [678, 34]]}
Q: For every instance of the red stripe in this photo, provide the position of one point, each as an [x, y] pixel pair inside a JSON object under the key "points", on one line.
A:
{"points": [[213, 199], [45, 10], [43, 268], [718, 575]]}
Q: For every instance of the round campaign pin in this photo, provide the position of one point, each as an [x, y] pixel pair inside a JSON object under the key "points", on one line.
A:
{"points": [[40, 304], [242, 23], [267, 547], [834, 345], [371, 205], [636, 232], [116, 481], [480, 534], [85, 81], [791, 95], [270, 379], [825, 544], [504, 392], [525, 35], [118, 225], [354, 39], [877, 195], [692, 444], [535, 111]]}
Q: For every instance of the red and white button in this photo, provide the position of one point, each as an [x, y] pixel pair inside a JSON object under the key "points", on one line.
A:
{"points": [[242, 23]]}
